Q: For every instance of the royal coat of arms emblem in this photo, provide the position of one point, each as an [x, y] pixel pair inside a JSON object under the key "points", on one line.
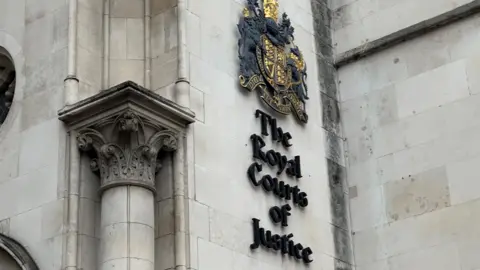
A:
{"points": [[270, 62]]}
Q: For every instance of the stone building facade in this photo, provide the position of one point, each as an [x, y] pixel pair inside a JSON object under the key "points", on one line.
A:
{"points": [[126, 139]]}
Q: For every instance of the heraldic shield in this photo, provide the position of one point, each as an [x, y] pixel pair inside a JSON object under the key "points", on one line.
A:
{"points": [[270, 63]]}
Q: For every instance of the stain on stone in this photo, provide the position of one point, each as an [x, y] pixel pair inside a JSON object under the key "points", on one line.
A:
{"points": [[325, 68], [338, 196], [328, 85], [340, 265], [322, 12], [406, 198], [384, 105], [342, 238], [352, 192], [338, 18], [323, 49], [333, 141], [331, 114], [334, 148], [5, 226], [321, 20]]}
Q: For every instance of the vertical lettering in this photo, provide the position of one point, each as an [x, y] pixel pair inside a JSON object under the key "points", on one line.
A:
{"points": [[298, 169], [264, 118], [251, 173], [263, 238], [295, 196], [276, 244], [256, 234], [306, 255], [285, 212], [272, 158], [258, 144], [303, 201], [282, 163], [267, 183], [291, 247], [275, 214], [288, 192], [286, 139], [298, 248], [268, 238], [292, 167], [273, 126]]}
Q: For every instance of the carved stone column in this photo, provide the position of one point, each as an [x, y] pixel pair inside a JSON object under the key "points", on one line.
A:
{"points": [[123, 129], [124, 150]]}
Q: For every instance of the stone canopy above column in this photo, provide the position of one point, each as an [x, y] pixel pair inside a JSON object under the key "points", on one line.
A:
{"points": [[123, 129]]}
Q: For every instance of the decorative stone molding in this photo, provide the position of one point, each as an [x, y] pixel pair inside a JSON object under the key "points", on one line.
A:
{"points": [[123, 129], [18, 253], [125, 155]]}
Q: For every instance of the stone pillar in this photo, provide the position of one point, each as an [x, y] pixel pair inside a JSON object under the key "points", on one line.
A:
{"points": [[124, 153], [122, 130], [127, 228]]}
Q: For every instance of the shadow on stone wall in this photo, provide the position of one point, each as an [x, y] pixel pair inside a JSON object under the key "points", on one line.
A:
{"points": [[333, 137]]}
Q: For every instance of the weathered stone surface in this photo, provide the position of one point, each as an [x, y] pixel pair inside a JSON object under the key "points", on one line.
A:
{"points": [[118, 32], [331, 114], [461, 180], [127, 8], [406, 26], [165, 222], [335, 148], [338, 192], [165, 252], [442, 257], [343, 250], [417, 194], [328, 85], [434, 92], [367, 209], [368, 246], [89, 247], [158, 6]]}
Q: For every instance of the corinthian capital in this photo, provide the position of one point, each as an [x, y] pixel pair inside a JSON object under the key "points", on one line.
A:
{"points": [[124, 151], [123, 129]]}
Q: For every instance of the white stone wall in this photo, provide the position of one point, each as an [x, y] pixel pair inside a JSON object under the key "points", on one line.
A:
{"points": [[357, 22], [127, 54], [410, 117], [164, 47], [222, 200], [89, 47], [32, 140]]}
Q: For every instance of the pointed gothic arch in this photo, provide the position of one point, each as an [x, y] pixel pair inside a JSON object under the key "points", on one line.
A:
{"points": [[18, 253]]}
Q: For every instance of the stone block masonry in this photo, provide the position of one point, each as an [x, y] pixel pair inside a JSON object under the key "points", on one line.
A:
{"points": [[409, 101], [334, 142]]}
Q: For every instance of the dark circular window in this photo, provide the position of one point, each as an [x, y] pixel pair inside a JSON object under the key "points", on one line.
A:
{"points": [[7, 83]]}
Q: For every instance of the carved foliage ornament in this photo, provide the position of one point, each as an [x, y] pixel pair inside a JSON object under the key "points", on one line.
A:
{"points": [[126, 157], [270, 62]]}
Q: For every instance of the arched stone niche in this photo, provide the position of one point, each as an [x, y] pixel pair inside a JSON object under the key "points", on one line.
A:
{"points": [[7, 83], [13, 256]]}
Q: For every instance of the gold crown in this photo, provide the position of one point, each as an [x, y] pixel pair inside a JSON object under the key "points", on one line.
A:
{"points": [[270, 7]]}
